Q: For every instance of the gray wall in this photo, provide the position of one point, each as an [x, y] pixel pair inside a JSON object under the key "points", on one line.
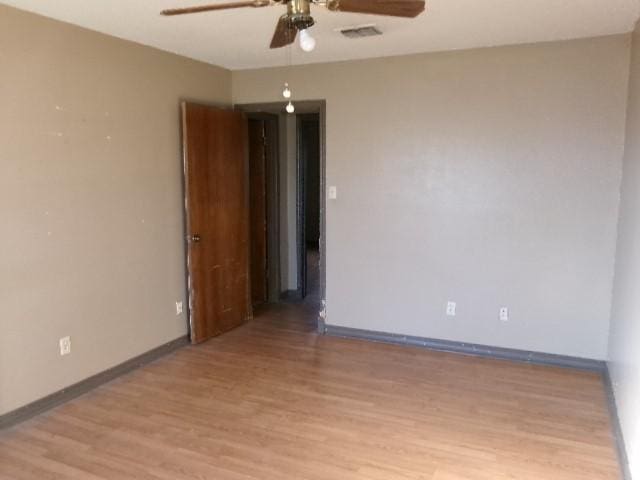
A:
{"points": [[90, 200], [489, 177], [624, 343]]}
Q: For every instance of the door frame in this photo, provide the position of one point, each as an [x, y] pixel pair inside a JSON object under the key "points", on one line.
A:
{"points": [[273, 209], [307, 106], [301, 212]]}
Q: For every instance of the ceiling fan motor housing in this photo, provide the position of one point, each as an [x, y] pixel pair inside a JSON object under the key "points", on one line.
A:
{"points": [[299, 14]]}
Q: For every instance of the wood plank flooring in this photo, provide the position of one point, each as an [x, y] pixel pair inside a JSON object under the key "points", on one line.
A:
{"points": [[273, 400]]}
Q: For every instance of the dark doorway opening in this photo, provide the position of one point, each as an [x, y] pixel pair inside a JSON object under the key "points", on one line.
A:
{"points": [[308, 141]]}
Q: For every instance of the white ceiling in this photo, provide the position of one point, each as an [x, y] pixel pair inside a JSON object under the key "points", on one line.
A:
{"points": [[238, 39]]}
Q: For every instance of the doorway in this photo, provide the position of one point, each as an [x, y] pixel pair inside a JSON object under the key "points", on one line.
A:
{"points": [[255, 216], [294, 191], [308, 165]]}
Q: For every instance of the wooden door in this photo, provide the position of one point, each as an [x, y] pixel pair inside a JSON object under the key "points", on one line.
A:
{"points": [[258, 209], [216, 190]]}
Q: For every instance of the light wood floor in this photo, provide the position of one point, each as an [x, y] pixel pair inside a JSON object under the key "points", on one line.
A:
{"points": [[273, 400]]}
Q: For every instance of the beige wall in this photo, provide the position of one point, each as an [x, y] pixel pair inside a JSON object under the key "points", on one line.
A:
{"points": [[488, 177], [624, 345], [499, 167], [90, 200]]}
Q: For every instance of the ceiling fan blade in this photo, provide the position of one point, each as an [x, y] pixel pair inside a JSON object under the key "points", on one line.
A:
{"points": [[285, 33], [219, 6], [392, 8]]}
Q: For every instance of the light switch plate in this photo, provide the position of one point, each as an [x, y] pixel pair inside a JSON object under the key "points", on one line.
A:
{"points": [[333, 193]]}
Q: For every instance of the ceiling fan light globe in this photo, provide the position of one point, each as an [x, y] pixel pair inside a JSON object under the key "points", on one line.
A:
{"points": [[307, 42], [286, 93], [290, 108]]}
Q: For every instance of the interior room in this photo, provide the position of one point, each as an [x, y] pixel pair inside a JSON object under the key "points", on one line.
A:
{"points": [[332, 239]]}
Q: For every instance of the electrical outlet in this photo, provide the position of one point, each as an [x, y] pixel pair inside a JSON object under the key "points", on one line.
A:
{"points": [[451, 309], [504, 314], [179, 308], [65, 345]]}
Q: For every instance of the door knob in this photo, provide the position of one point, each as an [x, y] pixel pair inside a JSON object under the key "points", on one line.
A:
{"points": [[195, 238]]}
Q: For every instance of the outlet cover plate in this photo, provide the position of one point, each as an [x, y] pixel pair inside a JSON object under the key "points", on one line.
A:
{"points": [[451, 309], [65, 346]]}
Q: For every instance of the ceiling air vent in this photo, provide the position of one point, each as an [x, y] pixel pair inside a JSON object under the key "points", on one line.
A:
{"points": [[361, 31]]}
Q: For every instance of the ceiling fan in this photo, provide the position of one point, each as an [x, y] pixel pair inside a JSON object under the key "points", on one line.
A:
{"points": [[298, 17]]}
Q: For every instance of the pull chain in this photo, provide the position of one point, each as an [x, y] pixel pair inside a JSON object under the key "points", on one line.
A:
{"points": [[286, 92]]}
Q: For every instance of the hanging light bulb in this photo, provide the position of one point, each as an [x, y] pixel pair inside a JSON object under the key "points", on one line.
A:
{"points": [[290, 108], [286, 93], [307, 42]]}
